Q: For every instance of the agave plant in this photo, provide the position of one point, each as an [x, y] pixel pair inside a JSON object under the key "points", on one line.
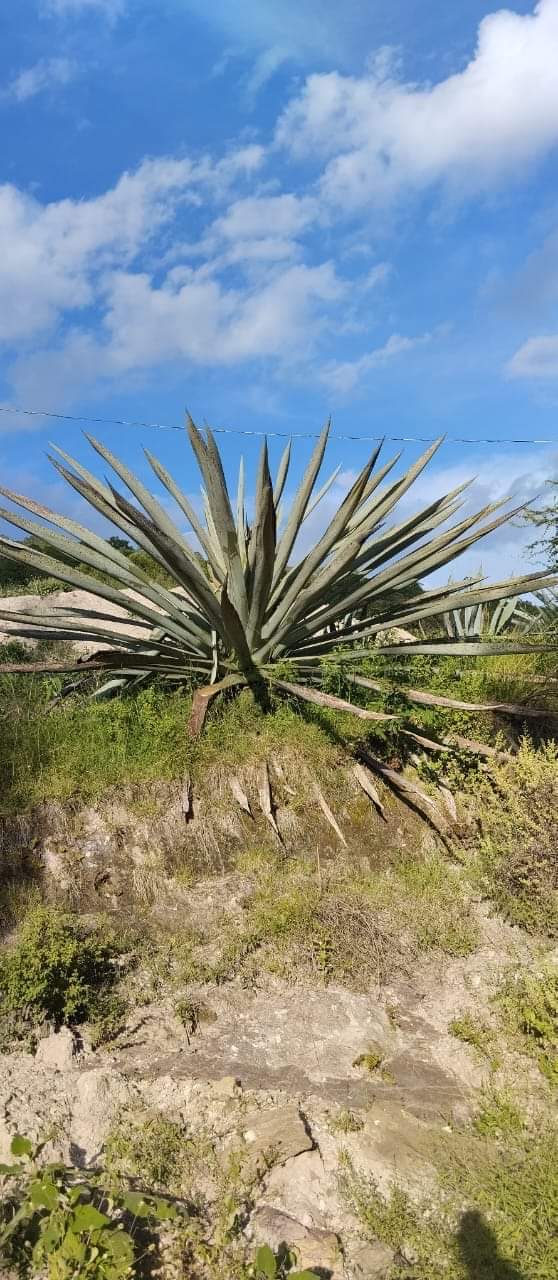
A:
{"points": [[474, 621], [255, 605]]}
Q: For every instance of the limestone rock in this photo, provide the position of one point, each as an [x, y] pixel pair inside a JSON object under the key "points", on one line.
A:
{"points": [[57, 1051], [228, 1087], [313, 1248], [370, 1261], [276, 1135], [305, 1189], [99, 1096]]}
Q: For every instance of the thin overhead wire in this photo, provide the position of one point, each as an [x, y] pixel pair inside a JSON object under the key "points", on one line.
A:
{"points": [[283, 435]]}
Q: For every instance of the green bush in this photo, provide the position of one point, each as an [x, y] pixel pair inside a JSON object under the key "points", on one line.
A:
{"points": [[57, 970]]}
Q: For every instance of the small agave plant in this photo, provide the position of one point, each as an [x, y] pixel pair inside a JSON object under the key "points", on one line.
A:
{"points": [[254, 605], [474, 621]]}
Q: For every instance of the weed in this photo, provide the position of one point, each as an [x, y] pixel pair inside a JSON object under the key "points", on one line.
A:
{"points": [[497, 1116], [516, 862], [156, 1151], [192, 1013], [345, 925], [149, 1147], [55, 1223], [472, 1031], [370, 1061], [277, 1266], [18, 896], [529, 1001], [345, 1122], [83, 747]]}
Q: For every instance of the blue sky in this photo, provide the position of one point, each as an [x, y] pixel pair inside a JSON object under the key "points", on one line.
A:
{"points": [[281, 210]]}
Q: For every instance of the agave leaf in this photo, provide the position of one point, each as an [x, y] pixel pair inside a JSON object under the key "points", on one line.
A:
{"points": [[376, 479], [398, 537], [212, 536], [395, 576], [328, 813], [81, 471], [184, 569], [186, 506], [282, 474], [385, 501], [425, 699], [86, 536], [298, 509], [121, 569], [322, 492], [241, 514], [364, 780], [328, 700], [211, 468], [202, 699], [319, 553], [155, 511], [95, 496], [262, 548], [231, 625], [57, 569]]}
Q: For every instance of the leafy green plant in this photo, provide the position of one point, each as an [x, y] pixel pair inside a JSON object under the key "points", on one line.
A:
{"points": [[56, 1223], [268, 1265], [58, 970], [250, 608]]}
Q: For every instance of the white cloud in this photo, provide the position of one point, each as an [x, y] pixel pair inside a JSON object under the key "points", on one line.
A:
{"points": [[265, 216], [110, 9], [379, 136], [342, 376], [49, 73], [239, 293], [278, 30], [189, 317], [53, 253], [537, 358], [377, 275]]}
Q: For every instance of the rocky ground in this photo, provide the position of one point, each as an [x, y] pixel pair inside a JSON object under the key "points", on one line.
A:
{"points": [[275, 1072]]}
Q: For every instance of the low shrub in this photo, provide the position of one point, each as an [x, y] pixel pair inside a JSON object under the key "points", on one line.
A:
{"points": [[58, 971]]}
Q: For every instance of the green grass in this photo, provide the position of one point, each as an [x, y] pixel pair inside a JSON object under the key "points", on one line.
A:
{"points": [[82, 747], [493, 1216], [497, 1115], [152, 1148]]}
